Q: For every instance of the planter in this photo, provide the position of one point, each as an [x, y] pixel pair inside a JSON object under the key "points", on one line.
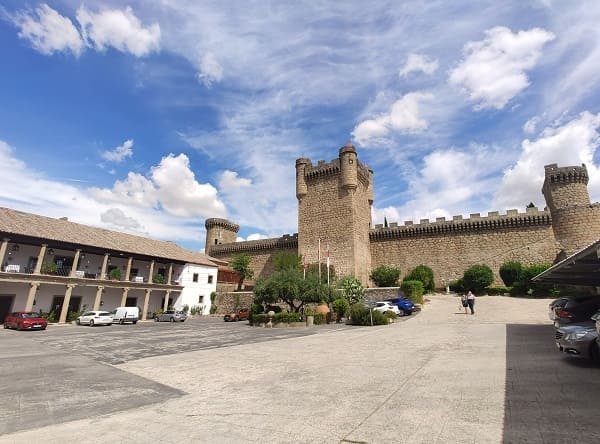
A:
{"points": [[322, 308]]}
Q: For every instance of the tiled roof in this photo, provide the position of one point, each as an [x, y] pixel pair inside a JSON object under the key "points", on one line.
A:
{"points": [[13, 222]]}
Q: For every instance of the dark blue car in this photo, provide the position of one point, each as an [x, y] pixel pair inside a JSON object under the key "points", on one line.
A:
{"points": [[405, 305]]}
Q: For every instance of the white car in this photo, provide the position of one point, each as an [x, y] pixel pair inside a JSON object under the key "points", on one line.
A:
{"points": [[386, 306], [95, 317]]}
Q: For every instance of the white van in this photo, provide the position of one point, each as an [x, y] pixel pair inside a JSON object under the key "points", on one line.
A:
{"points": [[125, 314]]}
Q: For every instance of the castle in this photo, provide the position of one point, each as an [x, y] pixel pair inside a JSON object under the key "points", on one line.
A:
{"points": [[334, 211]]}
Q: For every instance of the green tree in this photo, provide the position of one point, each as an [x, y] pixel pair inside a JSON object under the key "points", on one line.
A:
{"points": [[477, 277], [424, 274], [384, 276], [340, 307], [511, 272], [289, 286], [241, 265], [283, 261], [413, 290], [352, 289]]}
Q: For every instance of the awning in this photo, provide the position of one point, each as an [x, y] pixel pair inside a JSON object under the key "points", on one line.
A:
{"points": [[581, 268]]}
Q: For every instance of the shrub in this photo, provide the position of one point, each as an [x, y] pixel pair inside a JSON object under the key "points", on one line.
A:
{"points": [[457, 286], [318, 318], [494, 291], [352, 289], [511, 272], [413, 290], [261, 318], [390, 315], [526, 287], [286, 317], [185, 308], [213, 309], [196, 310], [48, 316], [49, 268], [477, 278], [158, 279], [384, 276], [340, 307], [361, 315], [423, 274], [115, 274]]}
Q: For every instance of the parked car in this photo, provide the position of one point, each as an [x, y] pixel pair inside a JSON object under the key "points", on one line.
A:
{"points": [[405, 305], [578, 340], [237, 314], [385, 306], [596, 319], [575, 310], [560, 302], [125, 314], [25, 320], [170, 316], [95, 317]]}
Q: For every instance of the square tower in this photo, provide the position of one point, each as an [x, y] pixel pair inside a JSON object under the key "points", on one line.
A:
{"points": [[334, 206]]}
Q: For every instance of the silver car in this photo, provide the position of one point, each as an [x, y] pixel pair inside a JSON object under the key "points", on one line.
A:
{"points": [[578, 340], [170, 316]]}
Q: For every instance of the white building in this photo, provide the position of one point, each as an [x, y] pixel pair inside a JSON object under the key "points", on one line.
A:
{"points": [[62, 267]]}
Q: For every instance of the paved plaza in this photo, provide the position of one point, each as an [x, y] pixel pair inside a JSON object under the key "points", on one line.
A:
{"points": [[437, 377]]}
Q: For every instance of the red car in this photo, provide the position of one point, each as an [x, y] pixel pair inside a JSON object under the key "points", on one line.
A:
{"points": [[25, 320]]}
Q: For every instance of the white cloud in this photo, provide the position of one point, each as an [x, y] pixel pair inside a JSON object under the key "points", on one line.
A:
{"points": [[530, 126], [251, 237], [493, 70], [573, 143], [210, 70], [119, 153], [119, 29], [230, 181], [48, 31], [116, 217], [419, 62], [403, 117]]}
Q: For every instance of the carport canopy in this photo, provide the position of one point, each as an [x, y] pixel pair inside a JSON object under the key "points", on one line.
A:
{"points": [[581, 268]]}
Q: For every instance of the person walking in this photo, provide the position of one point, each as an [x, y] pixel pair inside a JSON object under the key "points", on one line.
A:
{"points": [[463, 301], [471, 302]]}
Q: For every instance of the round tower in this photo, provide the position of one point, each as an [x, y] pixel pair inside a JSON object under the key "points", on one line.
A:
{"points": [[301, 188], [348, 167], [574, 219], [219, 231]]}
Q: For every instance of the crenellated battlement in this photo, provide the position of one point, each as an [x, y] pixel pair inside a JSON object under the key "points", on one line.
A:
{"points": [[569, 174], [493, 221], [223, 223], [332, 168], [283, 242]]}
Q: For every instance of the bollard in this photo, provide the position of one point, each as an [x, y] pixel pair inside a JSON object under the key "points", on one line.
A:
{"points": [[310, 320]]}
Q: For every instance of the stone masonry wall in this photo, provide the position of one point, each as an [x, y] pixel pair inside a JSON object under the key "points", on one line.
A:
{"points": [[576, 227], [225, 302], [450, 253]]}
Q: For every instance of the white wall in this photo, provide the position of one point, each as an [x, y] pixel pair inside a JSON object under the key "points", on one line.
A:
{"points": [[193, 291]]}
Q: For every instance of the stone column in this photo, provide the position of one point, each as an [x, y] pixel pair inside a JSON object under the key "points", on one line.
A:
{"points": [[124, 297], [40, 259], [170, 274], [146, 303], [128, 270], [33, 286], [104, 265], [98, 298], [3, 248], [166, 304], [75, 261], [151, 272], [65, 307]]}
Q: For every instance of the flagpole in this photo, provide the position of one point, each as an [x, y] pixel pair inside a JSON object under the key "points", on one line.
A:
{"points": [[328, 265], [319, 257]]}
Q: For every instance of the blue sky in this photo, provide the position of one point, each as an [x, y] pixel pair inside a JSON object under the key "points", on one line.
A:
{"points": [[151, 117]]}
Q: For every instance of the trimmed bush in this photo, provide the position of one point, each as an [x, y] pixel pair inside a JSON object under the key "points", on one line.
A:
{"points": [[360, 315], [477, 278], [457, 286], [511, 272], [384, 276], [413, 290], [495, 291], [340, 307], [318, 318], [424, 274], [286, 317]]}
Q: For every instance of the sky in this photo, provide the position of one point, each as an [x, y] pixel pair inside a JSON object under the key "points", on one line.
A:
{"points": [[150, 116]]}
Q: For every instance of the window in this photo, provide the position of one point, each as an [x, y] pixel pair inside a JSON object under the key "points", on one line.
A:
{"points": [[216, 241], [200, 299], [195, 277], [210, 278]]}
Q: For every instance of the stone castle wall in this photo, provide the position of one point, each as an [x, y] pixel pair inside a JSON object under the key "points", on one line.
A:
{"points": [[576, 227], [450, 247]]}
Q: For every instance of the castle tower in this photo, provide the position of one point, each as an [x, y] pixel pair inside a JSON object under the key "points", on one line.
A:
{"points": [[219, 231], [334, 206], [575, 222]]}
